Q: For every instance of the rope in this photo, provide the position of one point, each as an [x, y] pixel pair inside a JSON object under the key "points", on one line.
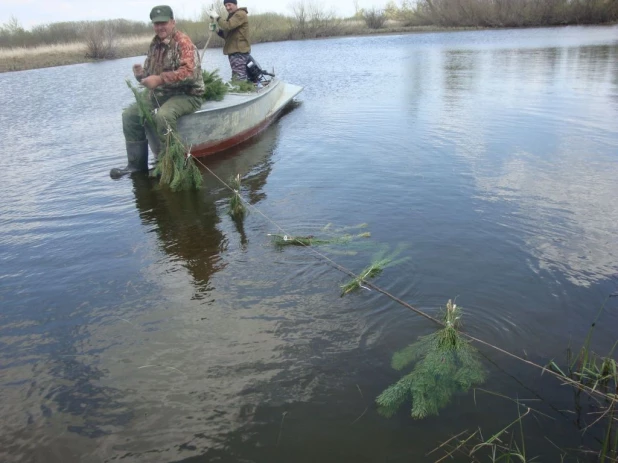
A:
{"points": [[612, 397], [205, 46]]}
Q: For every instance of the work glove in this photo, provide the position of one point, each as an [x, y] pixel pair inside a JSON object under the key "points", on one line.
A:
{"points": [[212, 26], [213, 15]]}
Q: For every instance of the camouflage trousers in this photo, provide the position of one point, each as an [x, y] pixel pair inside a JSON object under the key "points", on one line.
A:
{"points": [[171, 108], [238, 63]]}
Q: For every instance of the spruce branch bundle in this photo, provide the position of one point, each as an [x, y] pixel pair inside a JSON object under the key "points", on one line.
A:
{"points": [[214, 87], [145, 112], [175, 166], [446, 363], [241, 86], [237, 209]]}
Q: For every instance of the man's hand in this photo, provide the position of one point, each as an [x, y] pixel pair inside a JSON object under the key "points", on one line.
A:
{"points": [[152, 82], [213, 15], [138, 70]]}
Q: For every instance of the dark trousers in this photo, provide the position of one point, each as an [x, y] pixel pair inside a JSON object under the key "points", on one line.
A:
{"points": [[238, 63]]}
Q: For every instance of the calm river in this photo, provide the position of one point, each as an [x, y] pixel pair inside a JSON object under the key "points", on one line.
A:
{"points": [[145, 326]]}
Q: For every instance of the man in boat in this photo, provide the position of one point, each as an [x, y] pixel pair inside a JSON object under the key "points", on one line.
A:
{"points": [[173, 75], [235, 31]]}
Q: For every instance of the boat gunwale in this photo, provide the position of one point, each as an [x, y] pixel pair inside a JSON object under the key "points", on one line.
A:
{"points": [[250, 98]]}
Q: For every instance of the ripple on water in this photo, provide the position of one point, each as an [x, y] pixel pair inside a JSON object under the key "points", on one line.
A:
{"points": [[143, 325]]}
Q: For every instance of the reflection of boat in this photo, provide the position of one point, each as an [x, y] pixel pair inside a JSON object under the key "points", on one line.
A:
{"points": [[219, 125], [188, 224]]}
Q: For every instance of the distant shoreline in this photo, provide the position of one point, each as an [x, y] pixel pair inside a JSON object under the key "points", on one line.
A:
{"points": [[23, 59]]}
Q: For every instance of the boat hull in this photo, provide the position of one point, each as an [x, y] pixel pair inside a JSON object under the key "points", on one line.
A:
{"points": [[217, 126]]}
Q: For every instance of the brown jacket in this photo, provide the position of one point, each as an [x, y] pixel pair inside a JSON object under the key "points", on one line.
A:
{"points": [[235, 31]]}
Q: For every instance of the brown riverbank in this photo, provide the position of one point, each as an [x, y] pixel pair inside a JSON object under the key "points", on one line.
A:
{"points": [[20, 59]]}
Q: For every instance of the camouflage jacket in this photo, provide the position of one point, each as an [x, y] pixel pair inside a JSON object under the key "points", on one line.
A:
{"points": [[177, 61], [235, 31]]}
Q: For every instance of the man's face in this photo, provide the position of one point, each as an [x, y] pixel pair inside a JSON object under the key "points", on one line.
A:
{"points": [[164, 30], [230, 7]]}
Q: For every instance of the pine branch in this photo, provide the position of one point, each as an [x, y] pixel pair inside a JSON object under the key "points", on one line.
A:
{"points": [[446, 363]]}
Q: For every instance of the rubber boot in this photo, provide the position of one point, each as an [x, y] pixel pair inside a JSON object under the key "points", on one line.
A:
{"points": [[137, 156]]}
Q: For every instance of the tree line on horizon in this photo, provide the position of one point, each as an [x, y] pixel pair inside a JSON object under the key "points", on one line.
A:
{"points": [[310, 19]]}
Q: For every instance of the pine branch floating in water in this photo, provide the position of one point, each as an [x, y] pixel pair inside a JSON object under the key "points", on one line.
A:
{"points": [[292, 240], [369, 272], [380, 262], [237, 208], [312, 240], [446, 363]]}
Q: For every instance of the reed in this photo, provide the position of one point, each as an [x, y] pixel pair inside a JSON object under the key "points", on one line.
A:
{"points": [[589, 371], [594, 380], [506, 445]]}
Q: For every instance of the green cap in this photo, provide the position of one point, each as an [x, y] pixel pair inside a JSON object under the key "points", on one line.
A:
{"points": [[161, 14]]}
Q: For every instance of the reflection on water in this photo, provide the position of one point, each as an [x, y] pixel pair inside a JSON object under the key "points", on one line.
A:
{"points": [[186, 223], [186, 226], [142, 325], [564, 209]]}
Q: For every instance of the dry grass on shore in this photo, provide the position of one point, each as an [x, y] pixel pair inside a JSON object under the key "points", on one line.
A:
{"points": [[22, 58]]}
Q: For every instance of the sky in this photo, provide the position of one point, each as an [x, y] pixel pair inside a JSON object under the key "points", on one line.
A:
{"points": [[33, 12]]}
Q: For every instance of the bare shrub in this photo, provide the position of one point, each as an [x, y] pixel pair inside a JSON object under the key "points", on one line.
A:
{"points": [[374, 18], [300, 13], [12, 34], [60, 32], [99, 37], [516, 13], [594, 11], [270, 27], [311, 20]]}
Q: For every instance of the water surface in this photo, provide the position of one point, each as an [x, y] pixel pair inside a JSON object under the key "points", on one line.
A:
{"points": [[142, 325]]}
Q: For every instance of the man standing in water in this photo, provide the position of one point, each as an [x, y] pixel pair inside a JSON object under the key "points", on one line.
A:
{"points": [[235, 31], [172, 72]]}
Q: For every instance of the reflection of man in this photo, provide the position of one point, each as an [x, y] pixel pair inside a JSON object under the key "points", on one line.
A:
{"points": [[185, 226], [235, 31], [173, 74]]}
